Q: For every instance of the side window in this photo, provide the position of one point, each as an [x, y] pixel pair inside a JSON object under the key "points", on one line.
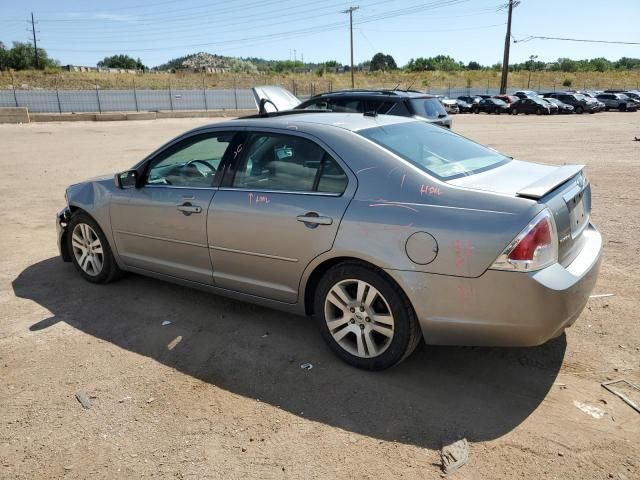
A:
{"points": [[399, 108], [320, 104], [192, 163], [380, 106], [288, 163], [348, 105]]}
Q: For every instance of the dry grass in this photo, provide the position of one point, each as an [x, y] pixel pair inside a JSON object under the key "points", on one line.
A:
{"points": [[305, 83]]}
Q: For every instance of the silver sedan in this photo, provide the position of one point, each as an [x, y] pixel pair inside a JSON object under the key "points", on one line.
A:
{"points": [[385, 229]]}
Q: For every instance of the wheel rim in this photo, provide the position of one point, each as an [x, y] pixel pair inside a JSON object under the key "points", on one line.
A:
{"points": [[359, 318], [87, 249]]}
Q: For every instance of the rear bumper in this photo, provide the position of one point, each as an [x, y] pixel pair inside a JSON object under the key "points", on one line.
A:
{"points": [[62, 221], [503, 308]]}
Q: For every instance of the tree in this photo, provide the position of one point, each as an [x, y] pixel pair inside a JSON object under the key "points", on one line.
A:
{"points": [[22, 57], [383, 62], [122, 61], [474, 66]]}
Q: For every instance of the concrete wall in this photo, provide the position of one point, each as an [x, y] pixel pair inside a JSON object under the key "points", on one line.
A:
{"points": [[14, 115]]}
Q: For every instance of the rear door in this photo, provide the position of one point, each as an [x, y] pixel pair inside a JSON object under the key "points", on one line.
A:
{"points": [[162, 226], [279, 208]]}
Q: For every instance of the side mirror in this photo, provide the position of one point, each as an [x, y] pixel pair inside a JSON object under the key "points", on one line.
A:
{"points": [[128, 179]]}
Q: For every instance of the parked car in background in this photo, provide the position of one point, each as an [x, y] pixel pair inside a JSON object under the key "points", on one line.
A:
{"points": [[450, 105], [526, 94], [552, 106], [404, 103], [482, 95], [386, 230], [507, 98], [491, 105], [618, 101], [530, 105], [463, 106], [577, 101], [562, 107], [592, 97], [470, 99], [635, 96]]}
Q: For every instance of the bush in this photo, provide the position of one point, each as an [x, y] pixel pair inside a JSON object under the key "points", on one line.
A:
{"points": [[567, 82]]}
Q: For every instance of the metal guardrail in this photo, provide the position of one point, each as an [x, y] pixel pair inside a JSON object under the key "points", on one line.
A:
{"points": [[66, 101]]}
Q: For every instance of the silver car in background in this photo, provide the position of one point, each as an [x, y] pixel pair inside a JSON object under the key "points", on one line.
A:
{"points": [[385, 229]]}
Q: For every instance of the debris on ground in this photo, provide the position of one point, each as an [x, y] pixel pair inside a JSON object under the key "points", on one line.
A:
{"points": [[174, 342], [602, 295], [266, 334], [592, 411], [165, 323], [124, 399], [150, 400], [623, 383], [454, 455], [306, 366], [83, 398]]}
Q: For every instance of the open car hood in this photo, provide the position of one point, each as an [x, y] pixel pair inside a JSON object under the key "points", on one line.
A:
{"points": [[275, 98]]}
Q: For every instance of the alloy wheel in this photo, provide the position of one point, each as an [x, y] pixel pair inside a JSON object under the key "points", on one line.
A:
{"points": [[87, 249], [359, 318]]}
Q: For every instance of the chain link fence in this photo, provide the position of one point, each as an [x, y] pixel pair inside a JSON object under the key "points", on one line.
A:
{"points": [[134, 100]]}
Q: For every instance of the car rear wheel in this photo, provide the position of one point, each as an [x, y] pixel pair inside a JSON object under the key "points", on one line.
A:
{"points": [[514, 111], [579, 109], [90, 251], [538, 111], [623, 107], [364, 317]]}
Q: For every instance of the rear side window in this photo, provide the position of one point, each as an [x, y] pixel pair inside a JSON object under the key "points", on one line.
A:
{"points": [[320, 104], [348, 105], [288, 163], [428, 107]]}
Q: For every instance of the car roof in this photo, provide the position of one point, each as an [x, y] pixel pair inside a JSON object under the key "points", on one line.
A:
{"points": [[375, 93], [297, 121]]}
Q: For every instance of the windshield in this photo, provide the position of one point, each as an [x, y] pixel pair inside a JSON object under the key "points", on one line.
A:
{"points": [[428, 107], [579, 96], [435, 150], [498, 101]]}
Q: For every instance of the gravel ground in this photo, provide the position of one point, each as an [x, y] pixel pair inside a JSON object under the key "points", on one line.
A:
{"points": [[219, 393]]}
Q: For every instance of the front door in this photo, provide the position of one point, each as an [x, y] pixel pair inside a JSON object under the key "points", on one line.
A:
{"points": [[280, 209], [162, 226]]}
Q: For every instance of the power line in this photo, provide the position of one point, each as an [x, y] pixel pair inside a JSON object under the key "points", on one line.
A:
{"points": [[535, 37]]}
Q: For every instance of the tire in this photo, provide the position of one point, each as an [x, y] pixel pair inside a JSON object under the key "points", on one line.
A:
{"points": [[476, 110], [622, 107], [497, 111], [514, 111], [579, 110], [538, 111], [606, 109], [354, 336], [99, 265]]}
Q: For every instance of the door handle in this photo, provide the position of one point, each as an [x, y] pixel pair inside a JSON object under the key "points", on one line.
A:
{"points": [[312, 219], [187, 209]]}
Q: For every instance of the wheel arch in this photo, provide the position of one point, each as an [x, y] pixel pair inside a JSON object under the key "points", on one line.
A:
{"points": [[323, 267]]}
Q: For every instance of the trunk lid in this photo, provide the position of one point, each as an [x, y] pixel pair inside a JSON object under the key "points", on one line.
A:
{"points": [[564, 190]]}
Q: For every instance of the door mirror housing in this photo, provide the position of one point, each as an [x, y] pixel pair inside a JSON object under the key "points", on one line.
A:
{"points": [[127, 179]]}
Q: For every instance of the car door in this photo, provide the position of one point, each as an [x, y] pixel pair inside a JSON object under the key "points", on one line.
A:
{"points": [[278, 209], [162, 225]]}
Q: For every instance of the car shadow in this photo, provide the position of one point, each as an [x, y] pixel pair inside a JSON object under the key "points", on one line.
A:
{"points": [[436, 394]]}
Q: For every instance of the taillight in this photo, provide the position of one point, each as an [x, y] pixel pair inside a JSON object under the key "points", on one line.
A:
{"points": [[534, 248]]}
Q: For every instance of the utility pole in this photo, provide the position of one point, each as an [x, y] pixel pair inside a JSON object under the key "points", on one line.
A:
{"points": [[507, 44], [532, 59], [350, 11], [35, 42]]}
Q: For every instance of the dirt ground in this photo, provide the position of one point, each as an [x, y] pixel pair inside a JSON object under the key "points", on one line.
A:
{"points": [[219, 393]]}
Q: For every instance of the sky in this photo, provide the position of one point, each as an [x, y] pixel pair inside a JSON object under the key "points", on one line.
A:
{"points": [[82, 32]]}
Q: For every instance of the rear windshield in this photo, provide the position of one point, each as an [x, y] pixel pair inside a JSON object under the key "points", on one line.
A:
{"points": [[435, 150], [428, 107]]}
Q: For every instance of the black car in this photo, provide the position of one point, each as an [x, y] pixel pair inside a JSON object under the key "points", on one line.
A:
{"points": [[470, 99], [491, 105], [530, 105], [463, 106], [562, 107], [577, 101], [404, 103]]}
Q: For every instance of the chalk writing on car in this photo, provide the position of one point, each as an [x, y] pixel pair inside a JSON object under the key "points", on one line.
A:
{"points": [[430, 190]]}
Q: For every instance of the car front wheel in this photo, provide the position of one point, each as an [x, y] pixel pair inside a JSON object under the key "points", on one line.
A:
{"points": [[514, 111], [579, 110], [364, 317], [90, 251]]}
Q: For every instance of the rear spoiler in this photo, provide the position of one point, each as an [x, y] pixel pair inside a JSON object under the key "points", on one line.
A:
{"points": [[541, 187]]}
